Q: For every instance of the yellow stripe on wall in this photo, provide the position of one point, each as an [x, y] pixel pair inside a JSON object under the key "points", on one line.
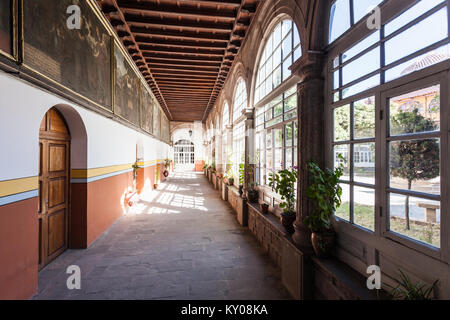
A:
{"points": [[16, 186], [95, 172]]}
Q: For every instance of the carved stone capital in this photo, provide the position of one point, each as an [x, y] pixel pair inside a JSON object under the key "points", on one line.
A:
{"points": [[309, 66], [248, 113]]}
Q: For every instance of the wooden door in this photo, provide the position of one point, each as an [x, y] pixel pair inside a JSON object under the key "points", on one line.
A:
{"points": [[54, 164]]}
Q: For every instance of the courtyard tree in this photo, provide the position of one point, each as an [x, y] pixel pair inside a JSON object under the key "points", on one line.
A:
{"points": [[413, 159]]}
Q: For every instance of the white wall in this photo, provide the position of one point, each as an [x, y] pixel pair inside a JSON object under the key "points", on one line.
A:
{"points": [[22, 107]]}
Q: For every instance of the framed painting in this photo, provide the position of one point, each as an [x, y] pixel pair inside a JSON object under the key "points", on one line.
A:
{"points": [[147, 104], [77, 59], [6, 27], [126, 88]]}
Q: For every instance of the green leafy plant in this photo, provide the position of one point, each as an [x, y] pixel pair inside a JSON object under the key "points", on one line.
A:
{"points": [[407, 290], [241, 173], [213, 166], [205, 166], [283, 182], [167, 163], [325, 191], [157, 175], [414, 160], [135, 166]]}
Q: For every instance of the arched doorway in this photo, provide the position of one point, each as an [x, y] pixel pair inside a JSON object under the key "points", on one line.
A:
{"points": [[184, 155], [54, 173]]}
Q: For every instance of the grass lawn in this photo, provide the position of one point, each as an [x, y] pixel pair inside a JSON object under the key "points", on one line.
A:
{"points": [[364, 217]]}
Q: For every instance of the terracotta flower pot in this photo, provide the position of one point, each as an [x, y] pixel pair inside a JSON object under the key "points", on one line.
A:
{"points": [[264, 208], [287, 220], [155, 186], [323, 243], [230, 181], [253, 196]]}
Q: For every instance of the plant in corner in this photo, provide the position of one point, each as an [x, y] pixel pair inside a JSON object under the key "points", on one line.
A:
{"points": [[252, 192], [283, 182], [325, 191], [155, 185], [241, 178], [407, 290], [230, 177]]}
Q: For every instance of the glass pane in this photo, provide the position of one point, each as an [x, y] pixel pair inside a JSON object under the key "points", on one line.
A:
{"points": [[278, 109], [286, 64], [415, 112], [364, 113], [287, 45], [415, 165], [278, 159], [361, 86], [276, 77], [296, 36], [362, 7], [269, 139], [269, 159], [295, 133], [288, 155], [424, 33], [418, 63], [342, 123], [278, 138], [361, 46], [339, 19], [343, 211], [286, 27], [414, 12], [364, 207], [422, 216], [277, 35], [288, 135], [290, 103], [336, 80], [295, 158], [364, 163], [362, 66], [342, 150]]}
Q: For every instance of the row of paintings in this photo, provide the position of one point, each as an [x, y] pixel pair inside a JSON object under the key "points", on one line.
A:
{"points": [[86, 61]]}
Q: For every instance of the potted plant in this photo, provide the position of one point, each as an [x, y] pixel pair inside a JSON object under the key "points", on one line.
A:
{"points": [[407, 290], [230, 177], [166, 166], [283, 182], [325, 191], [252, 193], [241, 179], [264, 208], [155, 185]]}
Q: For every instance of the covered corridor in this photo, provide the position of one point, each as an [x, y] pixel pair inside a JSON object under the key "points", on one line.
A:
{"points": [[180, 242]]}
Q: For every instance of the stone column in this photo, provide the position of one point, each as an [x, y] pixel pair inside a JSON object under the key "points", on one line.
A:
{"points": [[229, 147], [249, 147], [219, 160], [310, 90]]}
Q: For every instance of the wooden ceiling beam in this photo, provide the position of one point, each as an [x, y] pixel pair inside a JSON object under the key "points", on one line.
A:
{"points": [[180, 33], [181, 57], [176, 50], [174, 9], [137, 19], [184, 63], [180, 42]]}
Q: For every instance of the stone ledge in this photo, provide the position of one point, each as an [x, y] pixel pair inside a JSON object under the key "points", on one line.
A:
{"points": [[334, 280]]}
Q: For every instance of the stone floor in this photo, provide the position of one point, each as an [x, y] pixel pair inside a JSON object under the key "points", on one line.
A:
{"points": [[180, 242]]}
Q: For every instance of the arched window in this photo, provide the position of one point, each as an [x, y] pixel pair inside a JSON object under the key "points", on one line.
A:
{"points": [[281, 50], [240, 99], [276, 120], [225, 116]]}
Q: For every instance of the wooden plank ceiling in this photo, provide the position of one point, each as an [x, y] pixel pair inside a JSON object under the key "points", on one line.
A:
{"points": [[184, 48]]}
